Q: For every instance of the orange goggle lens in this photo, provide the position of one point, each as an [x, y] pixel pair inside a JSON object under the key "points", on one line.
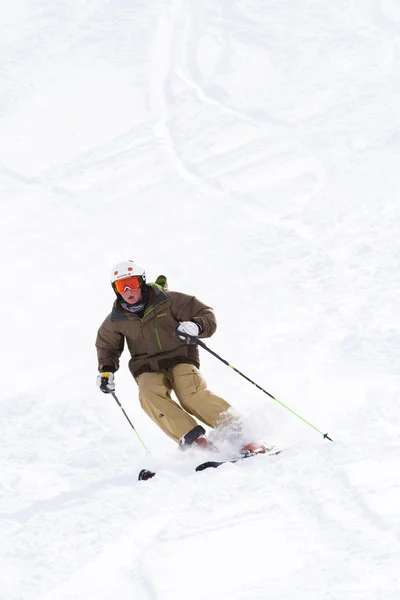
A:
{"points": [[133, 283]]}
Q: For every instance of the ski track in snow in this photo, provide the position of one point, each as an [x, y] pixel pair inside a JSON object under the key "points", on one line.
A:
{"points": [[275, 126], [329, 512], [259, 159]]}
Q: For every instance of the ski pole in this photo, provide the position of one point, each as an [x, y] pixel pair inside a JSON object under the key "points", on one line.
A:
{"points": [[128, 419], [203, 345]]}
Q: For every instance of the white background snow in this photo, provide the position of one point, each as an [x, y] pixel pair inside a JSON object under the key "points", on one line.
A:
{"points": [[249, 150]]}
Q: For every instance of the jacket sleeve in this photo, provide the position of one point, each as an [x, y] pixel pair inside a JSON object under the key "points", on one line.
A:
{"points": [[189, 308], [110, 345]]}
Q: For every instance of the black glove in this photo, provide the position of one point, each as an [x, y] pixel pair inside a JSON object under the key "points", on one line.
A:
{"points": [[105, 381]]}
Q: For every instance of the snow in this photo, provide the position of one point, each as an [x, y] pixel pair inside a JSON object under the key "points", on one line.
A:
{"points": [[249, 150]]}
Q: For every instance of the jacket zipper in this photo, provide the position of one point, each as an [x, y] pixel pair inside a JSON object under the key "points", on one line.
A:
{"points": [[157, 336]]}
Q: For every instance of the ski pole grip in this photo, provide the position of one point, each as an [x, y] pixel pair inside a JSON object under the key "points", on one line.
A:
{"points": [[192, 338]]}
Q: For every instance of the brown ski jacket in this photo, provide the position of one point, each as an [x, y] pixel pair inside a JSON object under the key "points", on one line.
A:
{"points": [[150, 339]]}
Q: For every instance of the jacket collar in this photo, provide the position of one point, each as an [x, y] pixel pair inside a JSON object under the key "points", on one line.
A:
{"points": [[156, 297]]}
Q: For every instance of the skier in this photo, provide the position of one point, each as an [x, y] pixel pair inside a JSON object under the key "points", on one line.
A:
{"points": [[160, 327]]}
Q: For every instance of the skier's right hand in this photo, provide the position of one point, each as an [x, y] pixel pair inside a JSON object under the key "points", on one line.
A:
{"points": [[105, 381]]}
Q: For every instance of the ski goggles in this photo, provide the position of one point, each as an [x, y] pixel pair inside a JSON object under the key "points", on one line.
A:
{"points": [[132, 283]]}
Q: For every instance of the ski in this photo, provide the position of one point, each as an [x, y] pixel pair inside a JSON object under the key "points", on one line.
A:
{"points": [[214, 464], [145, 474]]}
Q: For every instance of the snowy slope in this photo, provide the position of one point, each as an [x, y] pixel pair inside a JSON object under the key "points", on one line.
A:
{"points": [[250, 150]]}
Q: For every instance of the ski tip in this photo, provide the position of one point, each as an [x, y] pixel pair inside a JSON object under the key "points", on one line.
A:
{"points": [[144, 475], [211, 464]]}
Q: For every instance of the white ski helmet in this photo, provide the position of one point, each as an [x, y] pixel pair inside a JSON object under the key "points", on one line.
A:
{"points": [[127, 268]]}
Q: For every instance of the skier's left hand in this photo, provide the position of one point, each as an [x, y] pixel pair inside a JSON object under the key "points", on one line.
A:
{"points": [[186, 331]]}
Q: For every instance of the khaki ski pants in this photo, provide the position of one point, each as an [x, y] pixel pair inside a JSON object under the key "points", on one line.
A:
{"points": [[190, 389]]}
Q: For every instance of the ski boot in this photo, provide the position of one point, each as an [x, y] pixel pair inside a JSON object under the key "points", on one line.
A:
{"points": [[195, 438], [255, 448]]}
